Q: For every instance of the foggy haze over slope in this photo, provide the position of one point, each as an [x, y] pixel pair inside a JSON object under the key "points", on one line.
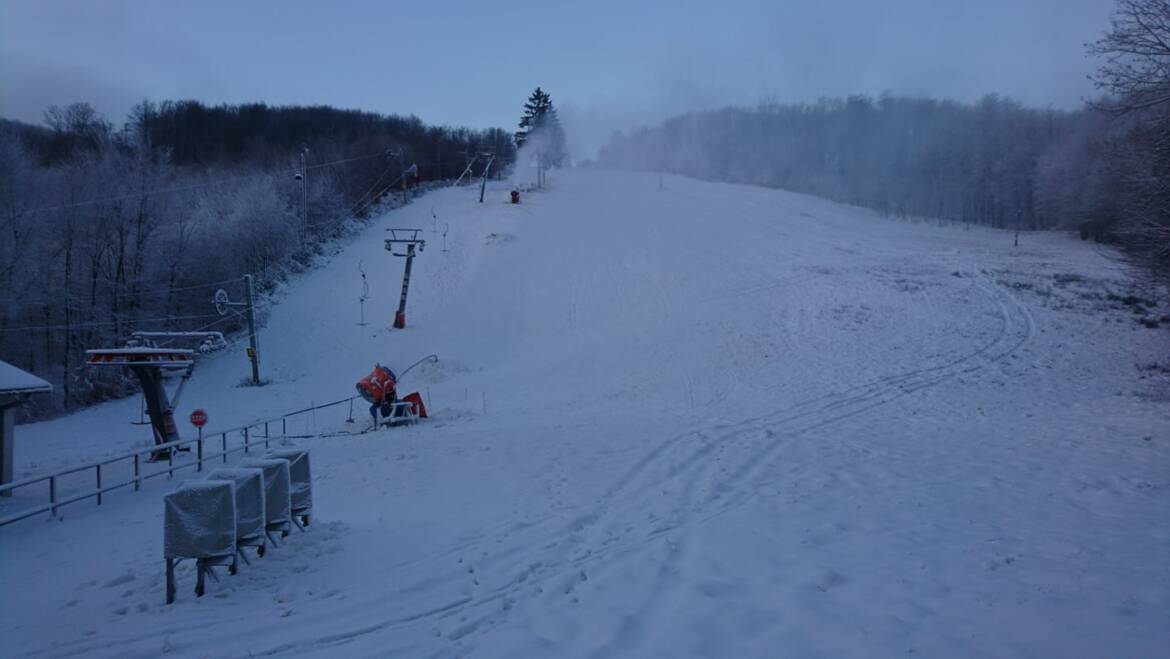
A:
{"points": [[615, 65]]}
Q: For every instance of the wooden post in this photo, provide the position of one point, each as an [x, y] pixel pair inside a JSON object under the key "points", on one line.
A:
{"points": [[170, 581]]}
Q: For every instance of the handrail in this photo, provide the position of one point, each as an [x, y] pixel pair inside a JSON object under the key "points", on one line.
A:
{"points": [[201, 458]]}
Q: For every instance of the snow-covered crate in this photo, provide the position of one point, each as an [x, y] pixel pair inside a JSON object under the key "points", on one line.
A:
{"points": [[300, 481], [277, 499], [249, 504], [199, 522]]}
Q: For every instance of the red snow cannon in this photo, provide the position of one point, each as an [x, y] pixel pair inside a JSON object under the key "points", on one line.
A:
{"points": [[378, 386]]}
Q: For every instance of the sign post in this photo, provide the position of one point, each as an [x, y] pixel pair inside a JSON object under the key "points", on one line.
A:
{"points": [[199, 419]]}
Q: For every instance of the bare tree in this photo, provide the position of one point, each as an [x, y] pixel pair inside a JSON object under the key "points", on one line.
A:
{"points": [[1135, 72], [1136, 55]]}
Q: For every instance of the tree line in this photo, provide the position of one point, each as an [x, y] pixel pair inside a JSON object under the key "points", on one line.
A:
{"points": [[106, 230], [1103, 169]]}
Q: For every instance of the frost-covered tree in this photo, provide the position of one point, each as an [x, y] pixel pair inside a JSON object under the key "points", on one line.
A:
{"points": [[541, 127], [1135, 55], [1135, 72], [104, 232]]}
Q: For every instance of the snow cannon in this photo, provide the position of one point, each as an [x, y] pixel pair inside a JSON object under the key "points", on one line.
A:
{"points": [[416, 404], [379, 385]]}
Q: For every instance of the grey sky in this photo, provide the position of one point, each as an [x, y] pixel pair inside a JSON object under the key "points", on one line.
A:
{"points": [[607, 64]]}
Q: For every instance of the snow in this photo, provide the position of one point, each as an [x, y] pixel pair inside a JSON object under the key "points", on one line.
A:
{"points": [[250, 504], [277, 502], [15, 381], [200, 520], [300, 485], [708, 420]]}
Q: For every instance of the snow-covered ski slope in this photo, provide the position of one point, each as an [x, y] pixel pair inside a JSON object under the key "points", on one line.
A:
{"points": [[707, 420]]}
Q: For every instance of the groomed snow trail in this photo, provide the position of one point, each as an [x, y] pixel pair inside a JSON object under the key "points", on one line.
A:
{"points": [[708, 420]]}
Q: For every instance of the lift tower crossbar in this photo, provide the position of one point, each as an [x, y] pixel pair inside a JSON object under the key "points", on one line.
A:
{"points": [[148, 364]]}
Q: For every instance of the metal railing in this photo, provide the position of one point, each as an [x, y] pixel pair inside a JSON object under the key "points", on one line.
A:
{"points": [[251, 438]]}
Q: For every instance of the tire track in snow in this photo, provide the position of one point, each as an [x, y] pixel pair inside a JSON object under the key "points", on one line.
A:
{"points": [[697, 475], [613, 526]]}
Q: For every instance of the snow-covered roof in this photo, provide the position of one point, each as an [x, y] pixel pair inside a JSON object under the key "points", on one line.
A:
{"points": [[15, 381]]}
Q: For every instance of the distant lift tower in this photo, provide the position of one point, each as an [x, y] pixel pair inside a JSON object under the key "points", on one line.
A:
{"points": [[402, 242], [148, 364]]}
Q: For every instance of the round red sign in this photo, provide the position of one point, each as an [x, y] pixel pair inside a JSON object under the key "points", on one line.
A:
{"points": [[199, 418]]}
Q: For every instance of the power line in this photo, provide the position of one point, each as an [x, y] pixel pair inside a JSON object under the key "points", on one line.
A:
{"points": [[184, 188], [36, 303], [104, 323], [198, 329], [380, 193], [166, 291], [386, 171]]}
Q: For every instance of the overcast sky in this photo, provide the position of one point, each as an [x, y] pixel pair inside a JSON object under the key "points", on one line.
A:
{"points": [[607, 64]]}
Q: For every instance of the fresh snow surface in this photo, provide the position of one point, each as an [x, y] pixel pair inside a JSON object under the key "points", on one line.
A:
{"points": [[707, 420], [14, 381]]}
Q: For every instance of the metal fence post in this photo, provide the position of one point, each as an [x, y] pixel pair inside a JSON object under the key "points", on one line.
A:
{"points": [[283, 426], [245, 439], [224, 454], [265, 434], [98, 470], [137, 478], [53, 493], [171, 462]]}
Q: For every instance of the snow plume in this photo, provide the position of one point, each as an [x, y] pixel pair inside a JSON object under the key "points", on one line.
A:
{"points": [[528, 157]]}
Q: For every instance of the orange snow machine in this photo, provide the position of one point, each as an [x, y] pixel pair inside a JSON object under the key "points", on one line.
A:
{"points": [[379, 387]]}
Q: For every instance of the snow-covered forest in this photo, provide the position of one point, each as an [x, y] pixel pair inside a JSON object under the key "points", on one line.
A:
{"points": [[111, 229], [992, 163], [1102, 170], [634, 364]]}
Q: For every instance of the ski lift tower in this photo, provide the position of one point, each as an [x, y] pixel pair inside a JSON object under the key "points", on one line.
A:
{"points": [[490, 157], [148, 364], [402, 243]]}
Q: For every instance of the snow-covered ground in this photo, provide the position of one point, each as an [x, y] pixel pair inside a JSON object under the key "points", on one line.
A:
{"points": [[707, 420]]}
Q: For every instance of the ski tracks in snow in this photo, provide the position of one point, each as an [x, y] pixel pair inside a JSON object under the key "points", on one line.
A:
{"points": [[656, 505]]}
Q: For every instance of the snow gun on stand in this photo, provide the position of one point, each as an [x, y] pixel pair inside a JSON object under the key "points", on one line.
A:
{"points": [[380, 390]]}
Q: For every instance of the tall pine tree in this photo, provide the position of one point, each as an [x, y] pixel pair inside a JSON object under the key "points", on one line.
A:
{"points": [[541, 126]]}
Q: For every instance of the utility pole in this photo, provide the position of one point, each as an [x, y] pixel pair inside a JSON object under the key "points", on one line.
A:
{"points": [[304, 177], [253, 349], [224, 305]]}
